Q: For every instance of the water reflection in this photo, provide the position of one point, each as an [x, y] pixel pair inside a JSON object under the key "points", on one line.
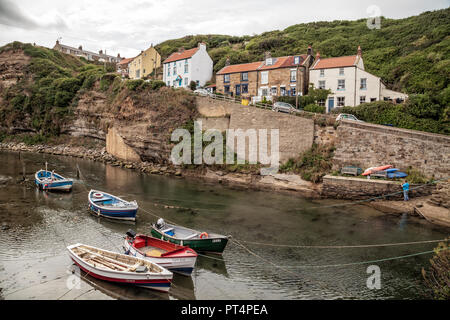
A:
{"points": [[51, 221]]}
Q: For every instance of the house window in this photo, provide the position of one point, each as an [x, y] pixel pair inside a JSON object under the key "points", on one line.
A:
{"points": [[321, 84], [322, 72], [143, 72], [268, 61], [341, 84], [186, 66], [174, 83], [362, 99], [186, 81], [264, 92], [244, 88], [273, 91], [293, 91], [293, 75], [138, 73], [197, 83], [363, 85], [264, 77], [174, 70], [373, 99], [168, 71], [321, 103], [226, 78], [282, 91], [227, 89], [244, 76], [340, 101], [341, 71], [297, 60]]}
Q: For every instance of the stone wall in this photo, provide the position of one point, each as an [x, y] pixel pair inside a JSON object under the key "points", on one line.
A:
{"points": [[368, 145], [356, 188], [116, 146], [296, 134]]}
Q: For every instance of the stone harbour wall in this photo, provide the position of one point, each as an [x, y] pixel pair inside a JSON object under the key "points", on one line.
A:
{"points": [[369, 145], [358, 189]]}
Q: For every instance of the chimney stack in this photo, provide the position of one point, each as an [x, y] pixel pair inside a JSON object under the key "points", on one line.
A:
{"points": [[100, 52], [359, 51], [309, 50], [227, 62], [180, 50], [317, 55], [80, 48]]}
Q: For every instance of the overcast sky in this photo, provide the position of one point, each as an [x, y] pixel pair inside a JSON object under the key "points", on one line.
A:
{"points": [[128, 26]]}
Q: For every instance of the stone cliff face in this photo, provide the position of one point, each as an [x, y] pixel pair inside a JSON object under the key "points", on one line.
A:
{"points": [[142, 121]]}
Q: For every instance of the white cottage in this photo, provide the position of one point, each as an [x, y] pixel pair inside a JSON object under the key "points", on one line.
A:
{"points": [[184, 66], [349, 83]]}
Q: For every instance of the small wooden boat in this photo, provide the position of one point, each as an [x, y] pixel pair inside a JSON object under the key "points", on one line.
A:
{"points": [[375, 169], [49, 180], [199, 241], [120, 268], [169, 255], [109, 206]]}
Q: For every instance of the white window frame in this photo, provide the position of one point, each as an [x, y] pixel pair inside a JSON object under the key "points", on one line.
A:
{"points": [[293, 72], [341, 87], [264, 77], [324, 84]]}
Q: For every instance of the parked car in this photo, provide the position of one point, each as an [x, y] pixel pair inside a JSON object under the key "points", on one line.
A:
{"points": [[283, 107], [202, 92], [346, 116]]}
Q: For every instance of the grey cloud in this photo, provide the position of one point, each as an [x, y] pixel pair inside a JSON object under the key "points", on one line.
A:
{"points": [[12, 15]]}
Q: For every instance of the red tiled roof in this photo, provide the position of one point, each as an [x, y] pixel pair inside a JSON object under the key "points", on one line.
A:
{"points": [[243, 67], [181, 55], [338, 62], [284, 62], [126, 60], [280, 62]]}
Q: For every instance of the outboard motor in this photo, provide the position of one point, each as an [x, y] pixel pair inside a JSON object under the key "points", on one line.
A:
{"points": [[160, 223], [131, 233]]}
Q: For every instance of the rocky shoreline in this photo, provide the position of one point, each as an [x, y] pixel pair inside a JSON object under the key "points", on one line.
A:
{"points": [[285, 183], [288, 183]]}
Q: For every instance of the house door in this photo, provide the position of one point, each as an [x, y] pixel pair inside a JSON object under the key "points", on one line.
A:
{"points": [[330, 103], [238, 89]]}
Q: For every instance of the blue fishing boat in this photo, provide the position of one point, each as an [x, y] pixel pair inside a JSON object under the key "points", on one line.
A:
{"points": [[109, 206], [49, 180]]}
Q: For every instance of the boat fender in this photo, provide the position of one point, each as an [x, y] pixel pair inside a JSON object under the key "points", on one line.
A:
{"points": [[98, 195], [203, 235]]}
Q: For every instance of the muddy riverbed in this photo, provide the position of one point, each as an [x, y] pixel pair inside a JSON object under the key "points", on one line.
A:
{"points": [[37, 226]]}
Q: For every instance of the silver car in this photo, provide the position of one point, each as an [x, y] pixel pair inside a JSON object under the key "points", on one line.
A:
{"points": [[202, 92], [283, 107], [346, 116]]}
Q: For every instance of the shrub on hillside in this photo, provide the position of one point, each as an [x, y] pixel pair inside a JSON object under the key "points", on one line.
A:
{"points": [[133, 85], [314, 108]]}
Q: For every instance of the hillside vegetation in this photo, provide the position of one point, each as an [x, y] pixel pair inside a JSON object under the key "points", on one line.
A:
{"points": [[411, 55], [40, 90]]}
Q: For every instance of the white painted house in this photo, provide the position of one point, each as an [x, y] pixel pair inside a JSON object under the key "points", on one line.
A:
{"points": [[349, 83], [184, 66]]}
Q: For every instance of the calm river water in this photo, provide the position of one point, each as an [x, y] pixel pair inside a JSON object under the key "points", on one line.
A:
{"points": [[37, 226]]}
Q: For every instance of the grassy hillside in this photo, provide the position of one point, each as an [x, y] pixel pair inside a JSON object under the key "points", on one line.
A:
{"points": [[41, 88], [411, 55]]}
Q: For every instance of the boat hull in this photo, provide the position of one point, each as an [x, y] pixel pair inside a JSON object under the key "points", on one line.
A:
{"points": [[180, 265], [60, 184], [117, 213], [158, 282], [209, 245], [120, 214]]}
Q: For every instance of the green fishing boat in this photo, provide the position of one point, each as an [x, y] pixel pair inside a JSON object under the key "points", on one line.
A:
{"points": [[199, 241]]}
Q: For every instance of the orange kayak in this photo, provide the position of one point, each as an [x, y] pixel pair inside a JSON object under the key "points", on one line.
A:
{"points": [[374, 169]]}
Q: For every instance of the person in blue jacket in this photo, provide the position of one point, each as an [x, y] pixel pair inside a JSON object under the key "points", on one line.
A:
{"points": [[405, 187]]}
